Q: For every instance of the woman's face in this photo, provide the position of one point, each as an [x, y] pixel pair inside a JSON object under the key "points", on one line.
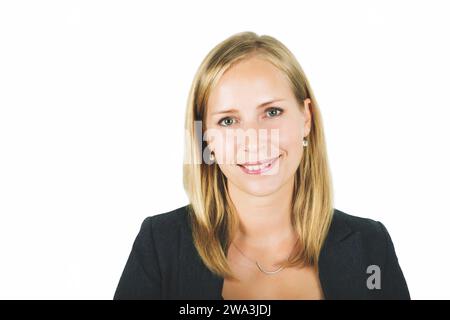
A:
{"points": [[241, 131]]}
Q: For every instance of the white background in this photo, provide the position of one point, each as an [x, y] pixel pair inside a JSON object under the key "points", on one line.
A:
{"points": [[92, 102]]}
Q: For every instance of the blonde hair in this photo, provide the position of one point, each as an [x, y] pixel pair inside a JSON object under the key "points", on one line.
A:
{"points": [[213, 216]]}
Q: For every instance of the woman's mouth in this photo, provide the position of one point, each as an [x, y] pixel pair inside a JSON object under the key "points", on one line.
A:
{"points": [[259, 168]]}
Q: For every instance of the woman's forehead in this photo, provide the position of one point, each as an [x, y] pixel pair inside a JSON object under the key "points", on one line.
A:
{"points": [[247, 83]]}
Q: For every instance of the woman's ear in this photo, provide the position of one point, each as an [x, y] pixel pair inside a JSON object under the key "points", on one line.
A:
{"points": [[307, 114]]}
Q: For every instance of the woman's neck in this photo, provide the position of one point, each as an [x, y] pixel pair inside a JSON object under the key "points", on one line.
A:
{"points": [[264, 220]]}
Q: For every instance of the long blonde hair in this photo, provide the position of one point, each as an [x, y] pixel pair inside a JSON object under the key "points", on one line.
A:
{"points": [[212, 214]]}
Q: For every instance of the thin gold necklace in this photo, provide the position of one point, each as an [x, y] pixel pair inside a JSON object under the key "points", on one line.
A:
{"points": [[259, 266]]}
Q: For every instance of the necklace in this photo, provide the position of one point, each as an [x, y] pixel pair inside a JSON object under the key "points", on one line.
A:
{"points": [[258, 265]]}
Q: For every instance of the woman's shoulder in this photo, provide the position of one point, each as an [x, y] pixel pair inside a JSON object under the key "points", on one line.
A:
{"points": [[366, 226], [169, 218], [373, 233], [166, 223]]}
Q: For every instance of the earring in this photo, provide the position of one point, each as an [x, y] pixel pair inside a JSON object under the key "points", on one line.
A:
{"points": [[305, 142], [211, 156]]}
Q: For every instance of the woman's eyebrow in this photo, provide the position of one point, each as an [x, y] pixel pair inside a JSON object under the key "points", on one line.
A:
{"points": [[236, 111]]}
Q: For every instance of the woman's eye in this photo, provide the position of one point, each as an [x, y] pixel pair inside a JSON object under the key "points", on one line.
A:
{"points": [[225, 122], [273, 112]]}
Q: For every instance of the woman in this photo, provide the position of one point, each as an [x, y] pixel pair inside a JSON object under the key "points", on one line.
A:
{"points": [[260, 223]]}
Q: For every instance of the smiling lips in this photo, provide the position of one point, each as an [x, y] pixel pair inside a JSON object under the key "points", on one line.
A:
{"points": [[259, 166]]}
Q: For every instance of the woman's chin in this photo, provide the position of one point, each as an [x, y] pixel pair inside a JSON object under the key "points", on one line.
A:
{"points": [[261, 189]]}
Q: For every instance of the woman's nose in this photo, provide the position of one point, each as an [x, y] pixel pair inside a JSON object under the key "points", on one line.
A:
{"points": [[258, 140], [255, 142]]}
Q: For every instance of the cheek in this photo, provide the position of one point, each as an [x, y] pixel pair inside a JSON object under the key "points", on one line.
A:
{"points": [[224, 151], [291, 139]]}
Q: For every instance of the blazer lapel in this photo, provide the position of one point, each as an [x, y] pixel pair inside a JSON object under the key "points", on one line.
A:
{"points": [[341, 271]]}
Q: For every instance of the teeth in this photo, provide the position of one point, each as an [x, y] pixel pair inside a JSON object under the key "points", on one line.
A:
{"points": [[258, 167]]}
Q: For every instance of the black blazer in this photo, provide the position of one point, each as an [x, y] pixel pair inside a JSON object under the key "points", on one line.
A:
{"points": [[164, 263]]}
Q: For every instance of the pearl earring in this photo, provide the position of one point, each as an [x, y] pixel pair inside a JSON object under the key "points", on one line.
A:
{"points": [[305, 142]]}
